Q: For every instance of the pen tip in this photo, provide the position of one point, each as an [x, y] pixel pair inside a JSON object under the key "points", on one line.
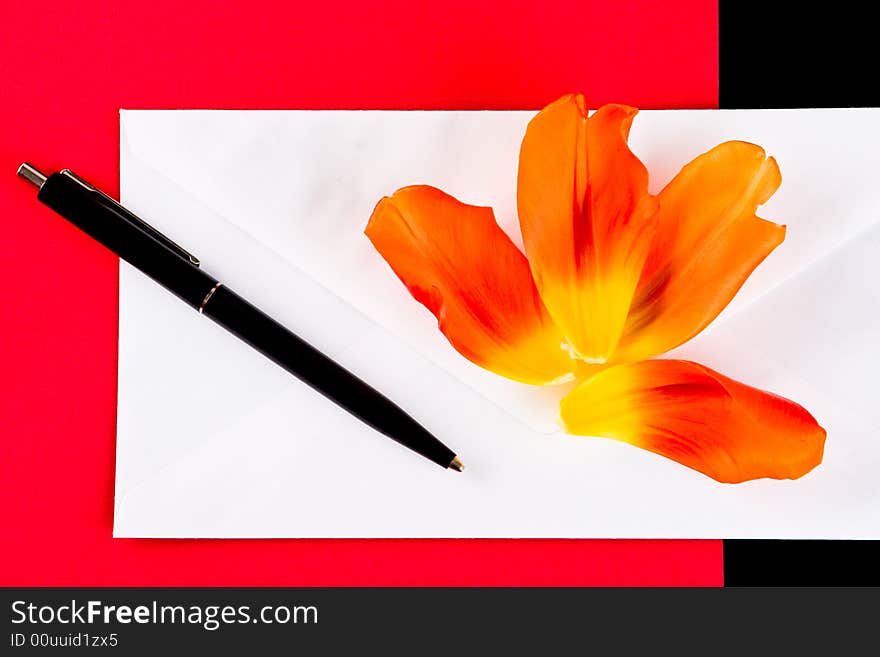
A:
{"points": [[456, 465]]}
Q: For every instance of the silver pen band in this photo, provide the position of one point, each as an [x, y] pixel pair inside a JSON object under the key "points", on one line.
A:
{"points": [[208, 298]]}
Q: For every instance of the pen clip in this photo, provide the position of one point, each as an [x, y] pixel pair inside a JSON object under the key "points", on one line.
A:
{"points": [[137, 221]]}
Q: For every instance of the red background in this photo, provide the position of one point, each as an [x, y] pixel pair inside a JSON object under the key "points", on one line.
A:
{"points": [[67, 67]]}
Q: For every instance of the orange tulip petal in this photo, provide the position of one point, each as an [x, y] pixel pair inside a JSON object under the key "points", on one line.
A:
{"points": [[691, 414], [456, 261], [586, 219], [708, 242]]}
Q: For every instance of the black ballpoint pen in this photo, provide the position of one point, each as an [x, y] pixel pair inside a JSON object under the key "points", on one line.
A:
{"points": [[177, 270]]}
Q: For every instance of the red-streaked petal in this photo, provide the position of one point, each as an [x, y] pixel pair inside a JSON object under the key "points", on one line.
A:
{"points": [[586, 219], [691, 414], [456, 260], [708, 242]]}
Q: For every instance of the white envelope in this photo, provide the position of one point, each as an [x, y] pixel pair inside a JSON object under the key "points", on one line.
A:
{"points": [[215, 441]]}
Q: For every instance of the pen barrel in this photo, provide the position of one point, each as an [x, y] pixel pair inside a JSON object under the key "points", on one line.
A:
{"points": [[112, 226], [323, 374]]}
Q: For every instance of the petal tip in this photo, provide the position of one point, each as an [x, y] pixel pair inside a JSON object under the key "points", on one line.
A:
{"points": [[782, 232], [376, 215], [570, 105], [771, 178], [578, 100]]}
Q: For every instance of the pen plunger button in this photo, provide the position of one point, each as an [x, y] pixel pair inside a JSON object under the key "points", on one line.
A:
{"points": [[32, 174]]}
